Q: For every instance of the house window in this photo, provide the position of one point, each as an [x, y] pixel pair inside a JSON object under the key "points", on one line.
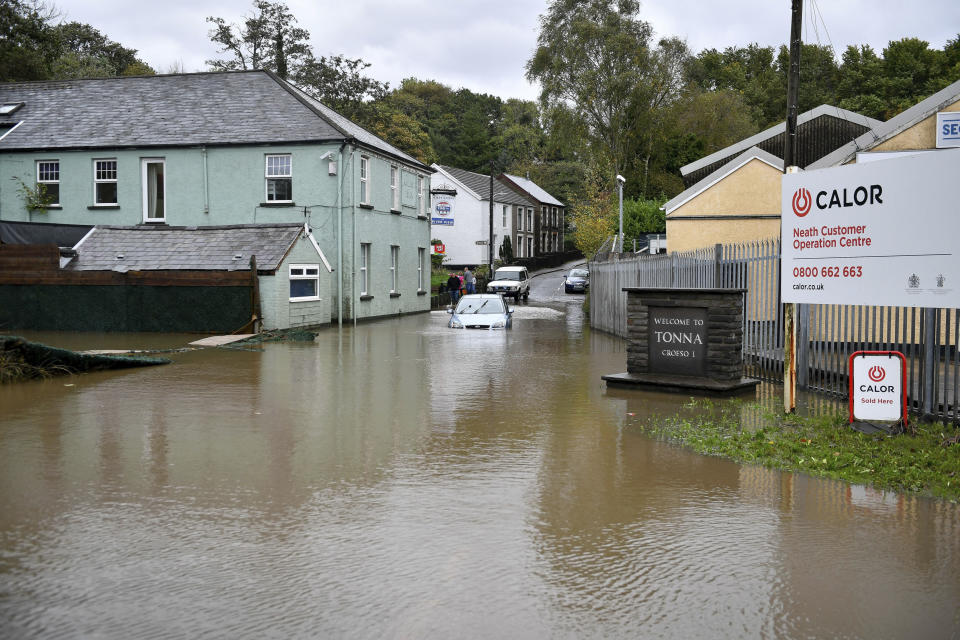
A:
{"points": [[154, 189], [529, 219], [48, 175], [421, 260], [519, 246], [543, 216], [394, 261], [395, 188], [519, 219], [420, 209], [529, 246], [504, 216], [364, 180], [304, 282], [364, 268], [279, 178], [105, 181]]}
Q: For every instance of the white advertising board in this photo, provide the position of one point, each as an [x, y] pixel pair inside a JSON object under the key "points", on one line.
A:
{"points": [[443, 206], [876, 387], [882, 233], [948, 129]]}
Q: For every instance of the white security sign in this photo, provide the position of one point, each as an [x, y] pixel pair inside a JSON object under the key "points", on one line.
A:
{"points": [[876, 386], [948, 129], [879, 233], [443, 206]]}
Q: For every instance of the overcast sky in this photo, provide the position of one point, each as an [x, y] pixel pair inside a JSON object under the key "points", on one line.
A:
{"points": [[483, 45]]}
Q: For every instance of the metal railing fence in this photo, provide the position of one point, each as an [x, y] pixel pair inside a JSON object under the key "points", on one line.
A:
{"points": [[826, 334]]}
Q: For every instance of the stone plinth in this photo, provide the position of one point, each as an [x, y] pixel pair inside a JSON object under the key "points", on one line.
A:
{"points": [[685, 340]]}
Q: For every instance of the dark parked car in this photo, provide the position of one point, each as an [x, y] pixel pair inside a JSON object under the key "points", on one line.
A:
{"points": [[577, 281]]}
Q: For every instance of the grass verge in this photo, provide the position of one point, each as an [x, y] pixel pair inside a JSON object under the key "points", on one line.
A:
{"points": [[924, 463]]}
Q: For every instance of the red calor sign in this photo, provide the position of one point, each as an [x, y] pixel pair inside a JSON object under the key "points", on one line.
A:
{"points": [[878, 389]]}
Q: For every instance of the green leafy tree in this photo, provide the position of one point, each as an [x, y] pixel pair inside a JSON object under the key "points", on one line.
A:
{"points": [[592, 55], [401, 131], [33, 47], [593, 215], [642, 216], [268, 38]]}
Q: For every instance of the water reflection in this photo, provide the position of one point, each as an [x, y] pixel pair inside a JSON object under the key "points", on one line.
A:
{"points": [[402, 479]]}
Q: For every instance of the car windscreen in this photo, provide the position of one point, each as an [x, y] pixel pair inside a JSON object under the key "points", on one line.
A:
{"points": [[579, 273], [480, 305], [506, 275]]}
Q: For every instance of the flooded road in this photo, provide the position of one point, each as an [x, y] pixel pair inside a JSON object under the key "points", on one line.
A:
{"points": [[404, 480]]}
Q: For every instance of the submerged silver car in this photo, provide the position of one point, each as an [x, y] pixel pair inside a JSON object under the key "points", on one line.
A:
{"points": [[481, 311], [577, 281]]}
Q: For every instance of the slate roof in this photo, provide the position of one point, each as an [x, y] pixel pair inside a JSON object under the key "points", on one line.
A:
{"points": [[886, 130], [480, 185], [721, 173], [532, 188], [154, 248], [218, 108]]}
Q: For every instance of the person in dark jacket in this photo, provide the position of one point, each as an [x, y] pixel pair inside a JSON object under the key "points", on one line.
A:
{"points": [[453, 286]]}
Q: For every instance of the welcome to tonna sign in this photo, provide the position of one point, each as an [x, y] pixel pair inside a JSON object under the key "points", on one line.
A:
{"points": [[877, 233]]}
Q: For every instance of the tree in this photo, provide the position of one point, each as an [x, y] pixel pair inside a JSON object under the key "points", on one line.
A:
{"points": [[506, 250], [32, 47], [339, 83], [593, 215], [267, 39], [592, 55]]}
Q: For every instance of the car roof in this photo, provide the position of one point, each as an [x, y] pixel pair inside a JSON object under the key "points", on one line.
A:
{"points": [[480, 295], [511, 268]]}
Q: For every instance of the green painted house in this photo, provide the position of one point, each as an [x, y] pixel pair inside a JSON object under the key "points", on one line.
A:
{"points": [[221, 149]]}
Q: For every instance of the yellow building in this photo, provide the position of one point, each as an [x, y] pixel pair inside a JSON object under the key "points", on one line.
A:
{"points": [[739, 199]]}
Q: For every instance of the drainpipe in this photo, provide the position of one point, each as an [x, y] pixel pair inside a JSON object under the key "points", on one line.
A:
{"points": [[353, 239], [206, 184], [340, 236]]}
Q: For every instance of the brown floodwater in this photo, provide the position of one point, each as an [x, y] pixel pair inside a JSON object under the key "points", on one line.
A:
{"points": [[400, 479]]}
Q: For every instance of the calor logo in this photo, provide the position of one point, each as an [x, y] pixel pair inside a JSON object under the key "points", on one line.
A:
{"points": [[876, 373], [801, 202]]}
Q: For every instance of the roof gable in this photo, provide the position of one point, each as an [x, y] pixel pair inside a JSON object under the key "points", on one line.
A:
{"points": [[821, 130], [754, 153], [533, 190], [895, 125], [479, 186]]}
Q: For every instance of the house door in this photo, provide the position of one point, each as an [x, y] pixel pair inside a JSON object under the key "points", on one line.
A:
{"points": [[154, 189]]}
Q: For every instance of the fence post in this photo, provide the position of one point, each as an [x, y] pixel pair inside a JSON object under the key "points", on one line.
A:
{"points": [[929, 360], [718, 265], [673, 269]]}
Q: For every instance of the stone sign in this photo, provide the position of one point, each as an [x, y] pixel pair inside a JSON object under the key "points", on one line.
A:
{"points": [[684, 340], [677, 340]]}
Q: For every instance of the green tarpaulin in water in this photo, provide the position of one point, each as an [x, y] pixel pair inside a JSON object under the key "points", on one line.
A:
{"points": [[22, 360]]}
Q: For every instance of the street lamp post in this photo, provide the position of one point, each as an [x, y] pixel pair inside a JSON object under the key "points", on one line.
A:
{"points": [[620, 182]]}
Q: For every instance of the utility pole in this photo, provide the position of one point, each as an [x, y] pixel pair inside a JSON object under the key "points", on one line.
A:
{"points": [[790, 166], [490, 239]]}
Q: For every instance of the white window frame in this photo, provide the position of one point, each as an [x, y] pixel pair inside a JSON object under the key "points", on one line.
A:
{"points": [[364, 179], [529, 219], [394, 268], [420, 209], [305, 274], [99, 179], [529, 246], [48, 180], [504, 225], [519, 218], [394, 188], [364, 268], [421, 258], [268, 176], [144, 162]]}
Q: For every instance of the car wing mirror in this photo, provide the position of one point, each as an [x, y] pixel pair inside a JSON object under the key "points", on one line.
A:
{"points": [[450, 310]]}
